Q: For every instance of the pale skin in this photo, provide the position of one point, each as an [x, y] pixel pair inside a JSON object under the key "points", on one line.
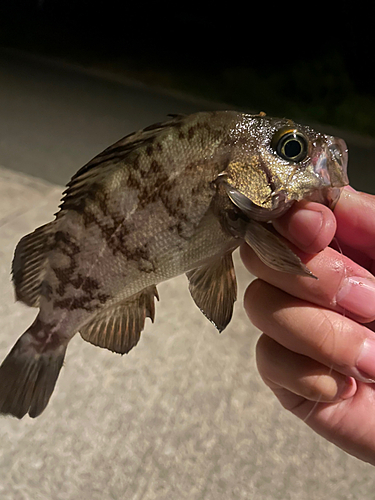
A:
{"points": [[317, 350]]}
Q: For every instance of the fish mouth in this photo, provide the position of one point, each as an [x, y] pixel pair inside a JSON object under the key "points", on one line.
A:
{"points": [[331, 168], [331, 164], [333, 196], [328, 196], [338, 151]]}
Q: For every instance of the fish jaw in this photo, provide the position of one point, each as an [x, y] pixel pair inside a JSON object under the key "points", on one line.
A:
{"points": [[338, 164], [330, 166]]}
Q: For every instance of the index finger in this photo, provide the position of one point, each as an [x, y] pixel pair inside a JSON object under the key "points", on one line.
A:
{"points": [[355, 216]]}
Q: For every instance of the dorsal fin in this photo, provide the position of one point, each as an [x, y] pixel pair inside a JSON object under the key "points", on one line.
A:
{"points": [[118, 327], [81, 184], [28, 267]]}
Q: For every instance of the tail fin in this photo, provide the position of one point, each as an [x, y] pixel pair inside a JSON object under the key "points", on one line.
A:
{"points": [[28, 375]]}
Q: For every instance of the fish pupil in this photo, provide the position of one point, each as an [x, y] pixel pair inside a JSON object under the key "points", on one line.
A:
{"points": [[290, 144], [292, 148]]}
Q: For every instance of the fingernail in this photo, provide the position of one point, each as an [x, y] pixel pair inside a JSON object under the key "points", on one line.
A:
{"points": [[348, 389], [357, 295], [366, 360]]}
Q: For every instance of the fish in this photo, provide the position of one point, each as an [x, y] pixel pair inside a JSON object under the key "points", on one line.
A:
{"points": [[176, 197]]}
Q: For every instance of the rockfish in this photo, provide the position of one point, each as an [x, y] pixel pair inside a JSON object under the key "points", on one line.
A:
{"points": [[177, 197]]}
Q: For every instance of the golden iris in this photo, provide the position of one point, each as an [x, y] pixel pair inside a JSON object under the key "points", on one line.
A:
{"points": [[290, 144]]}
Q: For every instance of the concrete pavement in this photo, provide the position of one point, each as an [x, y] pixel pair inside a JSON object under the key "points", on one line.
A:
{"points": [[185, 414]]}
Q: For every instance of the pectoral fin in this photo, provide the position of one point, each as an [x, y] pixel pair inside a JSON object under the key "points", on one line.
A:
{"points": [[273, 251], [214, 290], [118, 328]]}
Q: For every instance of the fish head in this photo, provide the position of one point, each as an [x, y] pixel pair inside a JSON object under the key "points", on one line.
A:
{"points": [[276, 162]]}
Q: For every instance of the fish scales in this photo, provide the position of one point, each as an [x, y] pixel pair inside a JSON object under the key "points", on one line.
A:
{"points": [[177, 197], [135, 250]]}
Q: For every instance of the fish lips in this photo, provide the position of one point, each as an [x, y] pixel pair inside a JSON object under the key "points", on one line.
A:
{"points": [[331, 168], [331, 164]]}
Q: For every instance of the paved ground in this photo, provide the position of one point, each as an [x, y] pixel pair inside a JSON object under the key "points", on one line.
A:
{"points": [[185, 414]]}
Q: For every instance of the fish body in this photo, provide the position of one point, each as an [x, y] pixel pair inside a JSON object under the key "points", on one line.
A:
{"points": [[177, 197]]}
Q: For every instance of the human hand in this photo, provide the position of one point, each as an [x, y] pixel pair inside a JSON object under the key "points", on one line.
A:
{"points": [[317, 352]]}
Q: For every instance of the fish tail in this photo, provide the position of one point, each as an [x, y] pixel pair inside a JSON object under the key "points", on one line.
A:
{"points": [[28, 374]]}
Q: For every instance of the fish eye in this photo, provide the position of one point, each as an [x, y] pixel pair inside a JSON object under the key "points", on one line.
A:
{"points": [[290, 144]]}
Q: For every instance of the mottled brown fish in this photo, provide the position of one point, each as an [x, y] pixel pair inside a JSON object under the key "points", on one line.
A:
{"points": [[176, 197]]}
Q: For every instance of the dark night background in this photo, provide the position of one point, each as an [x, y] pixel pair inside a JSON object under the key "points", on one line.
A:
{"points": [[308, 61]]}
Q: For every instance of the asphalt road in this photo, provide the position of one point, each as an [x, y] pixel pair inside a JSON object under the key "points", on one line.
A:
{"points": [[185, 414]]}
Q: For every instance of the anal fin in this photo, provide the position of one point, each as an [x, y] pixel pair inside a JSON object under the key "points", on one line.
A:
{"points": [[29, 263], [213, 288], [118, 327]]}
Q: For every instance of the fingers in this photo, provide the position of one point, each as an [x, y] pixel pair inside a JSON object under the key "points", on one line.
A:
{"points": [[324, 336], [348, 423], [283, 369], [342, 285], [311, 226], [355, 214], [319, 363], [308, 225], [299, 359]]}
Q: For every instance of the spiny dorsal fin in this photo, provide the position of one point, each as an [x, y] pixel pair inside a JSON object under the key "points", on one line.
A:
{"points": [[118, 328], [273, 251], [100, 167], [28, 265], [213, 288]]}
